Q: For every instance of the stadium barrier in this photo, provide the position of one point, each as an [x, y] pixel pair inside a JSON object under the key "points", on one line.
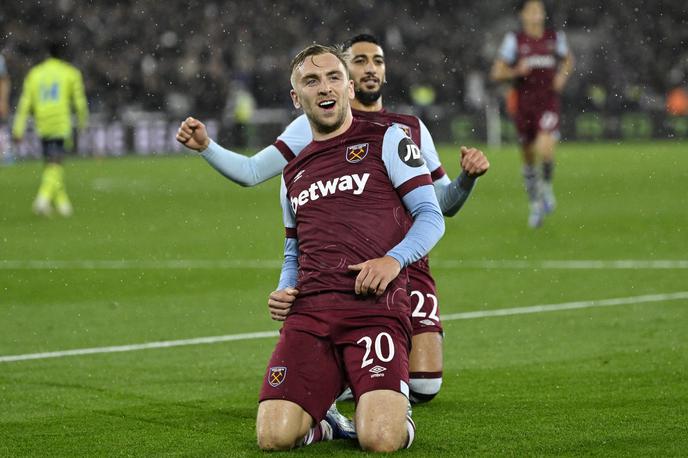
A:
{"points": [[153, 134]]}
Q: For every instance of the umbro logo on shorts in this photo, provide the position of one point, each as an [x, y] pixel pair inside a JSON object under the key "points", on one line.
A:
{"points": [[277, 375], [377, 371]]}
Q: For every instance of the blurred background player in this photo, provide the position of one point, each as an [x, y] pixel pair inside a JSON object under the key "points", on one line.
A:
{"points": [[538, 62], [366, 65], [51, 91], [5, 153]]}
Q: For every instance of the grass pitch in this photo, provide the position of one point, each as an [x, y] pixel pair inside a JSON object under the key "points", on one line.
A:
{"points": [[161, 249]]}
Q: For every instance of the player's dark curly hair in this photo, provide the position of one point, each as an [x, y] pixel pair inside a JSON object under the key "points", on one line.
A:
{"points": [[361, 37], [316, 50]]}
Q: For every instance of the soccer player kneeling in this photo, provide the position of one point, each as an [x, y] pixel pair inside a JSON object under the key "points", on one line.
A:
{"points": [[359, 207]]}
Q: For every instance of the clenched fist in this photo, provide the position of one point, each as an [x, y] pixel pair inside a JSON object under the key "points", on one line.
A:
{"points": [[474, 162], [193, 135]]}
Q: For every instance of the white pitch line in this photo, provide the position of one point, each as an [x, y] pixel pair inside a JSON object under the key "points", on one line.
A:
{"points": [[623, 264], [261, 335]]}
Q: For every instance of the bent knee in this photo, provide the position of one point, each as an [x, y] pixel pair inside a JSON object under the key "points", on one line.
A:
{"points": [[382, 441], [273, 437], [424, 386]]}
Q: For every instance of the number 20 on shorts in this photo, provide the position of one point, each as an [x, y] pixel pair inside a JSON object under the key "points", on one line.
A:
{"points": [[385, 358]]}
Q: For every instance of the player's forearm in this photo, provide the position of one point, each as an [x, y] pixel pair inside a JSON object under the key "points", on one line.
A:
{"points": [[290, 265], [20, 117], [245, 170], [451, 195], [565, 69], [427, 228], [502, 72]]}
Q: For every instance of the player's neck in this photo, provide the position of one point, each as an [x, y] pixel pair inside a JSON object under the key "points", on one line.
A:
{"points": [[534, 31], [320, 137], [376, 106]]}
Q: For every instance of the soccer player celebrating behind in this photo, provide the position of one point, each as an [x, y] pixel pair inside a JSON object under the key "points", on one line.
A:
{"points": [[52, 89], [359, 207], [538, 62]]}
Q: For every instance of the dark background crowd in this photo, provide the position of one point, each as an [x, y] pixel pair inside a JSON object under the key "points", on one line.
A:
{"points": [[187, 57]]}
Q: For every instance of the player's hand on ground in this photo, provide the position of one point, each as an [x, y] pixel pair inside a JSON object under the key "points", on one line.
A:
{"points": [[375, 275], [280, 303], [193, 134], [474, 162]]}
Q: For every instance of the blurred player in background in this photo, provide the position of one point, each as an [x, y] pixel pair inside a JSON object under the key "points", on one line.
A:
{"points": [[366, 64], [538, 62], [51, 91], [5, 153]]}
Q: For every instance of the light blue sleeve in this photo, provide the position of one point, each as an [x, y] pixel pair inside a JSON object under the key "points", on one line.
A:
{"points": [[245, 170], [451, 195], [410, 177], [507, 50], [427, 228], [427, 149], [3, 67], [297, 135], [290, 265], [562, 45], [402, 157]]}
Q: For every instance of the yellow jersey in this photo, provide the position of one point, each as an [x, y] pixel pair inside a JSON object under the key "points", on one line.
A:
{"points": [[51, 89]]}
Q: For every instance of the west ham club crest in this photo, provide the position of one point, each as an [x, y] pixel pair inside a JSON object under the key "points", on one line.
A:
{"points": [[356, 153], [277, 375]]}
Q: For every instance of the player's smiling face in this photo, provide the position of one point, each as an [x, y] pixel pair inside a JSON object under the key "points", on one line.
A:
{"points": [[367, 68], [322, 88]]}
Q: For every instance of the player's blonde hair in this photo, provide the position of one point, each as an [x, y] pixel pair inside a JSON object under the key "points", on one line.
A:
{"points": [[317, 50]]}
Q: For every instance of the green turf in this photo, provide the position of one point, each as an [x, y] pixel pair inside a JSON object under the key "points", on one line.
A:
{"points": [[601, 381]]}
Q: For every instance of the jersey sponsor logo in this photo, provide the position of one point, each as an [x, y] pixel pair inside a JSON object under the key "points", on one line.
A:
{"points": [[277, 375], [405, 128], [356, 153], [410, 153], [315, 191], [541, 61]]}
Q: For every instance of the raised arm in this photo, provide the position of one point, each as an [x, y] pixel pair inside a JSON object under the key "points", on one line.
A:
{"points": [[451, 195], [241, 169]]}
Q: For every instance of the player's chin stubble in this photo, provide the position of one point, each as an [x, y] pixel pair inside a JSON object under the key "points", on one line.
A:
{"points": [[324, 128]]}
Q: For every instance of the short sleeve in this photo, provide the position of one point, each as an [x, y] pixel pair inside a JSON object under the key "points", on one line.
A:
{"points": [[508, 48], [295, 138], [404, 162]]}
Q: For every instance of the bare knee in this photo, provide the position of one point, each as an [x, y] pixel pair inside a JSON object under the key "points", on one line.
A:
{"points": [[381, 421], [280, 425]]}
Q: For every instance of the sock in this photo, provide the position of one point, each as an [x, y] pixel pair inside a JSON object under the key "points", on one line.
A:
{"points": [[411, 429], [320, 432], [547, 170], [46, 191], [530, 177], [424, 386], [60, 193]]}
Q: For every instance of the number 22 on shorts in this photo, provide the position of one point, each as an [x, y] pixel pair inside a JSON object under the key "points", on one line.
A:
{"points": [[418, 311]]}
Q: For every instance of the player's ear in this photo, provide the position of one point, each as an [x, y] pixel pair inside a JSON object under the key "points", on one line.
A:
{"points": [[352, 93], [295, 99]]}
